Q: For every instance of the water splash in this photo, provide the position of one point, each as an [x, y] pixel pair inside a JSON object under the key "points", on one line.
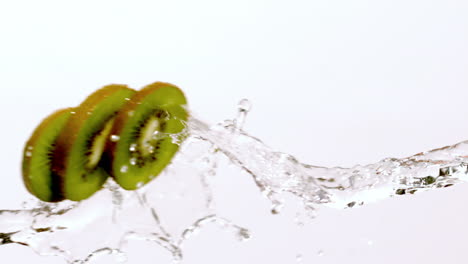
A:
{"points": [[47, 228]]}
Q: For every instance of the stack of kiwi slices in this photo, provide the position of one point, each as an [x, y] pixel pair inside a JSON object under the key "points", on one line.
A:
{"points": [[117, 131]]}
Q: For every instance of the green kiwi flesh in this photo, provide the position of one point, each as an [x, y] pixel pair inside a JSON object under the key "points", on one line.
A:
{"points": [[80, 144], [142, 145], [37, 158]]}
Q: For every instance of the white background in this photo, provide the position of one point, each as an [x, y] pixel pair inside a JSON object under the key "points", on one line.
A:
{"points": [[332, 82]]}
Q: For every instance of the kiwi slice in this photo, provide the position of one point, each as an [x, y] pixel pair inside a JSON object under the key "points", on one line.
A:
{"points": [[141, 143], [81, 142], [37, 158]]}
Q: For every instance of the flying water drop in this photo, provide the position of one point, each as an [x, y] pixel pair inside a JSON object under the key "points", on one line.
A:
{"points": [[243, 108], [114, 138], [124, 169]]}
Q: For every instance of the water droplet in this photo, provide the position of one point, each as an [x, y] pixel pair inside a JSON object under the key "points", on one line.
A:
{"points": [[243, 234], [228, 123], [276, 207], [244, 105], [275, 211], [124, 169], [127, 99], [133, 147], [133, 161], [28, 153], [130, 113], [30, 148], [176, 139], [151, 149], [114, 138], [140, 184], [243, 108]]}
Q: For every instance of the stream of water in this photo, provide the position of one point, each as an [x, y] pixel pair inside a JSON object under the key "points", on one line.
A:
{"points": [[68, 229]]}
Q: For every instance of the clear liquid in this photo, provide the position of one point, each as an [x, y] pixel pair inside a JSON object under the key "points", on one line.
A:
{"points": [[176, 206]]}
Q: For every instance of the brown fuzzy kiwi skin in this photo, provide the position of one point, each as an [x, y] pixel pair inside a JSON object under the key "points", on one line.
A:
{"points": [[56, 194], [68, 137]]}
